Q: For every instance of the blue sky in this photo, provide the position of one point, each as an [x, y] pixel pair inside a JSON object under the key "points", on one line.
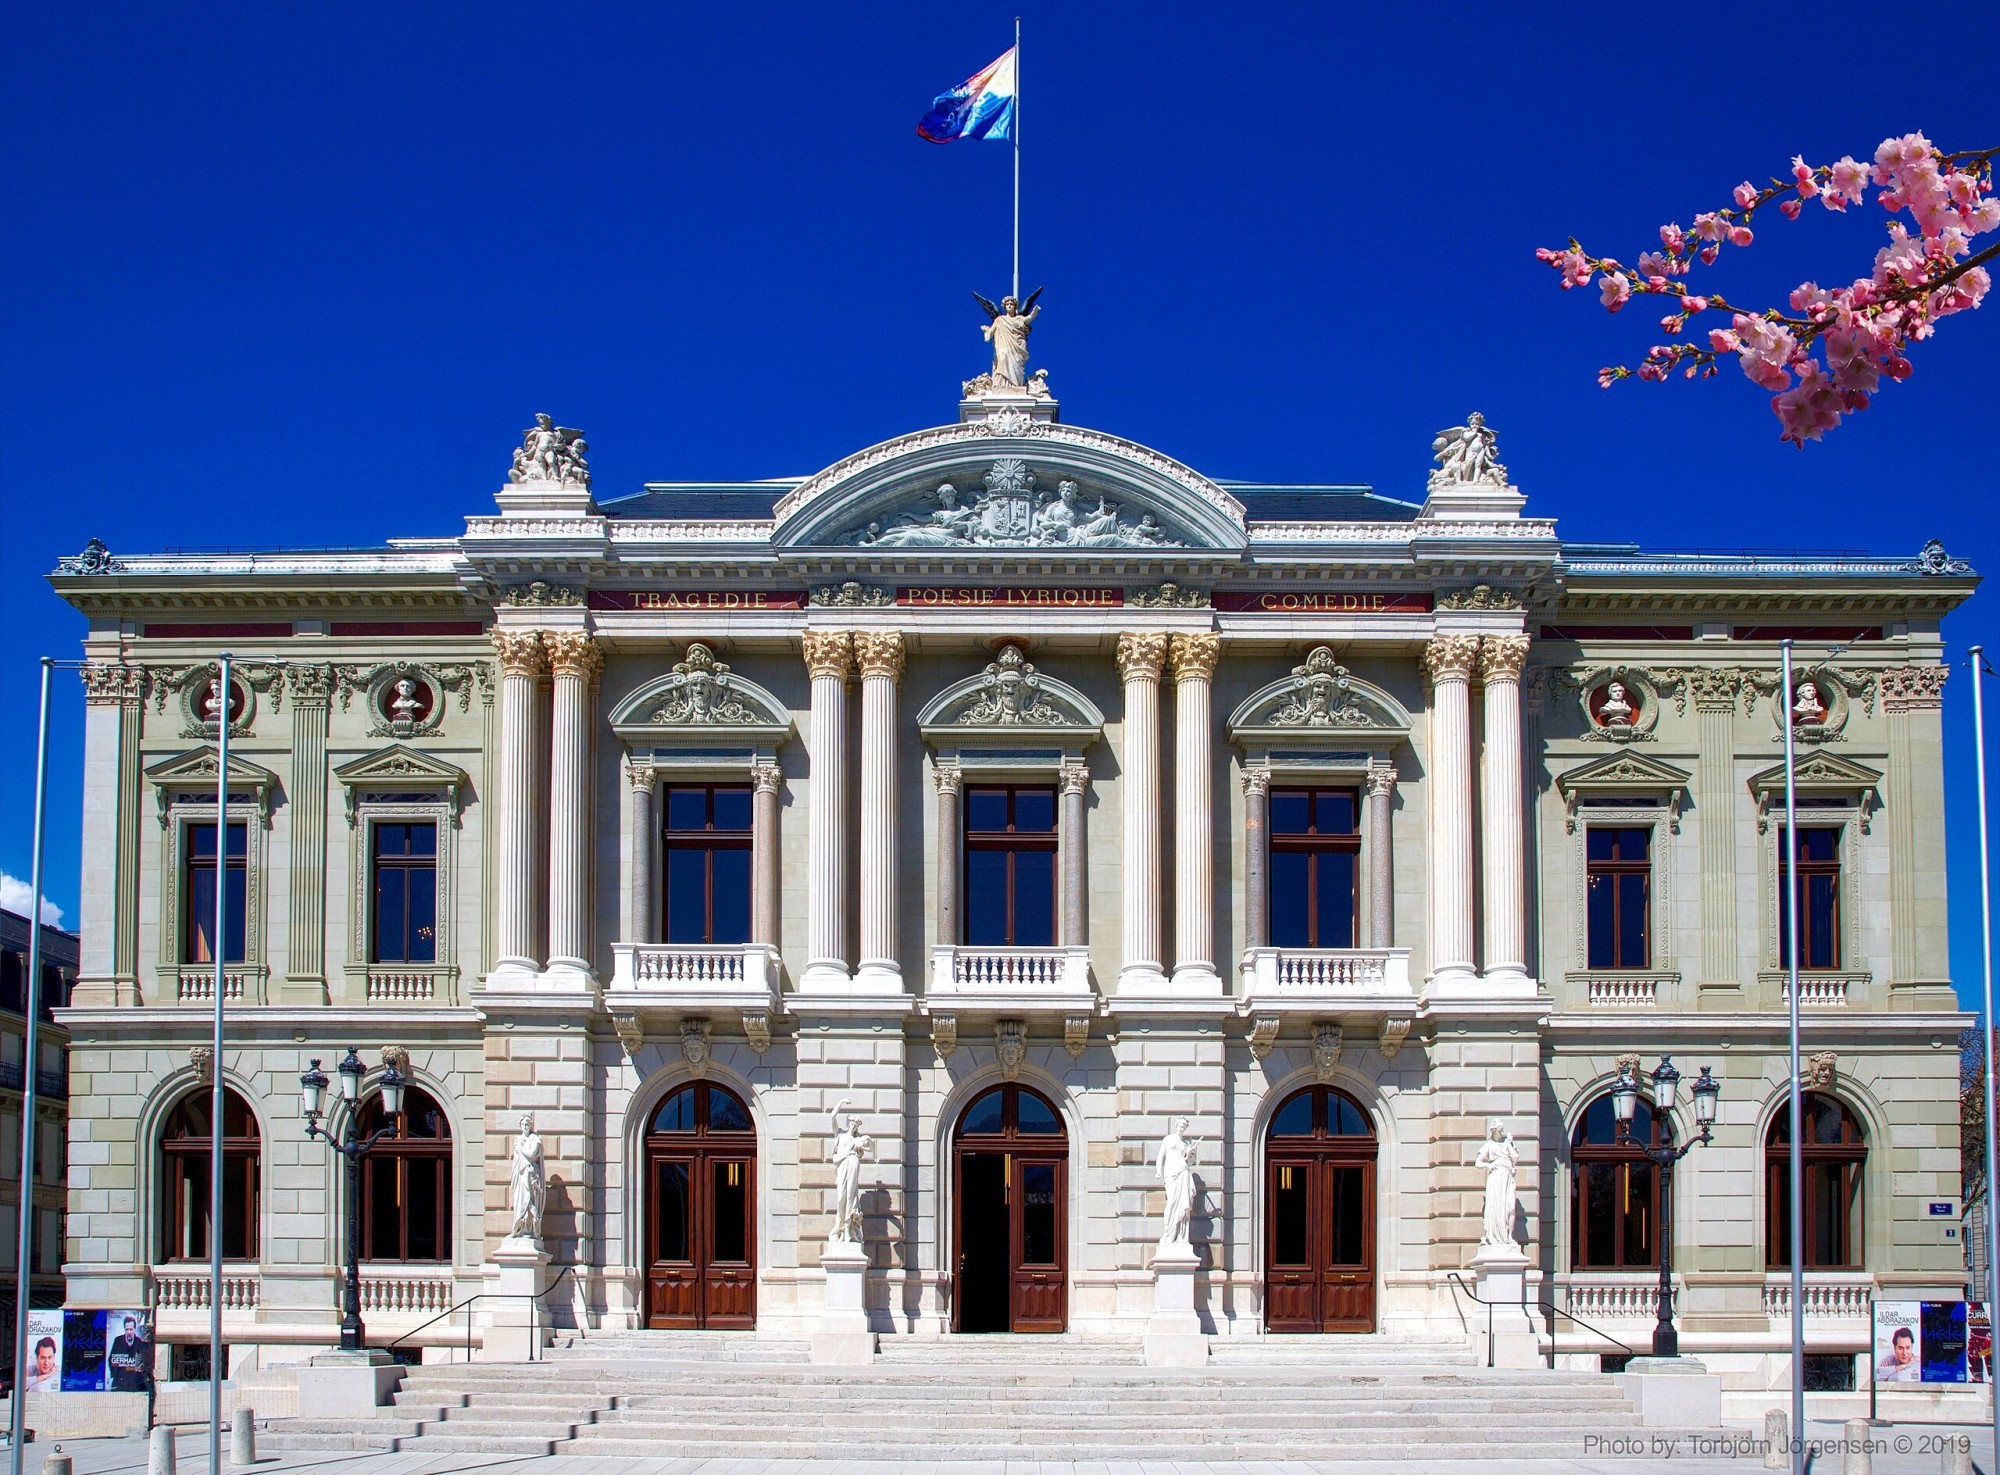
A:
{"points": [[298, 274]]}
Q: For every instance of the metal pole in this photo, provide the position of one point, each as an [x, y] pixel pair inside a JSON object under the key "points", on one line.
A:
{"points": [[1666, 1341], [25, 1241], [1986, 1045], [1017, 158], [223, 693], [1797, 1227]]}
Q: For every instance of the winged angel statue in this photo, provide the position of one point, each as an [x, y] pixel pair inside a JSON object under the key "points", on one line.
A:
{"points": [[1007, 329]]}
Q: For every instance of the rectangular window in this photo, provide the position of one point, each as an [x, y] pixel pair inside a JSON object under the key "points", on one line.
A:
{"points": [[1315, 862], [708, 864], [198, 916], [1010, 867], [1618, 888], [1816, 893], [404, 865]]}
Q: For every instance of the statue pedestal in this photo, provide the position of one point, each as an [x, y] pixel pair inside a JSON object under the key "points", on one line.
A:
{"points": [[844, 1338], [1673, 1393], [340, 1385], [545, 499], [1500, 1276], [1173, 1338], [516, 1321]]}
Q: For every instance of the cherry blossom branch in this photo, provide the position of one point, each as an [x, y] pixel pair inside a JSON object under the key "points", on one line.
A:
{"points": [[1860, 331]]}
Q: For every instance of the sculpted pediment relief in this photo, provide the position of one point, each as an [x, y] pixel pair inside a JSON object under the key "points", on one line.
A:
{"points": [[1319, 699], [1012, 513], [1625, 773], [701, 697], [399, 767], [1009, 699], [192, 776], [1821, 776]]}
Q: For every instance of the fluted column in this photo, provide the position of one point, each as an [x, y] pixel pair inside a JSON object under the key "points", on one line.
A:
{"points": [[1075, 854], [522, 662], [1139, 660], [1448, 659], [950, 781], [1256, 857], [574, 661], [1193, 656], [1381, 855], [764, 778], [1506, 849], [640, 887], [879, 655], [830, 661], [310, 688]]}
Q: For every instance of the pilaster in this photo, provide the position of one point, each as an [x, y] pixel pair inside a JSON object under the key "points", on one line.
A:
{"points": [[1193, 656], [764, 853], [1074, 843], [1715, 694], [311, 690], [1139, 660], [1256, 858], [1913, 702], [108, 920], [637, 914], [1381, 855], [950, 781]]}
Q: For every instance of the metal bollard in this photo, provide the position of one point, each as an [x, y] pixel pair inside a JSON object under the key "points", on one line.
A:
{"points": [[1956, 1457], [1859, 1460], [243, 1437], [57, 1465], [160, 1452], [1777, 1450]]}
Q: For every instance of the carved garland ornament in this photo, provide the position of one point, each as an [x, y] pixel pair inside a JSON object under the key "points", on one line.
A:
{"points": [[542, 595], [852, 594], [1481, 597]]}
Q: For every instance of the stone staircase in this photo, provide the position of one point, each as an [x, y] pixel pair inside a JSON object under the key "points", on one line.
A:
{"points": [[985, 1398]]}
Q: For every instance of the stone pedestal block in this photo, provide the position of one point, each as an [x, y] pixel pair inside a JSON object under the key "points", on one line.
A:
{"points": [[516, 1322], [339, 1385], [1173, 1338], [844, 1338], [1500, 1279], [1673, 1392]]}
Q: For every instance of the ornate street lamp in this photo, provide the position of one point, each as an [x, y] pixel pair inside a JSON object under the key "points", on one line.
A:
{"points": [[312, 1096], [1624, 1102]]}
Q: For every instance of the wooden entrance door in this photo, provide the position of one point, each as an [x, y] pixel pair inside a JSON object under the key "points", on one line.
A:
{"points": [[1319, 1199], [701, 1211], [1010, 1220]]}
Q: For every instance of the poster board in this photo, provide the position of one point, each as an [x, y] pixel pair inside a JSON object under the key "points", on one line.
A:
{"points": [[1918, 1342], [106, 1351], [45, 1350]]}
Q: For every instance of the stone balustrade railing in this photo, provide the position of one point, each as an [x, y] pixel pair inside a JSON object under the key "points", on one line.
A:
{"points": [[1611, 1297], [395, 983], [197, 983], [735, 972], [188, 1290], [1010, 971], [1275, 974], [406, 1293], [1846, 1296], [1817, 990]]}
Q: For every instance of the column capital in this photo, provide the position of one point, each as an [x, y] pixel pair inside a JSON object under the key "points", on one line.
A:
{"points": [[1140, 656], [1913, 688], [829, 653], [521, 652], [765, 778], [1451, 657], [1075, 778], [112, 683], [309, 684], [879, 652], [573, 653], [1501, 657], [948, 777], [1256, 782], [1194, 654], [639, 772], [1381, 779]]}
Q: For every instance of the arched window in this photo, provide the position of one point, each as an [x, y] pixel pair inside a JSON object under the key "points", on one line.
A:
{"points": [[184, 1193], [1835, 1150], [1614, 1191], [406, 1181]]}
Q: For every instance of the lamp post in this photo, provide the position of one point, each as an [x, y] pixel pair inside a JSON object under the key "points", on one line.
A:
{"points": [[1624, 1101], [350, 1145]]}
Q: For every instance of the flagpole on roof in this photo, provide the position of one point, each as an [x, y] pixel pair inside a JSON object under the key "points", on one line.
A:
{"points": [[1017, 158]]}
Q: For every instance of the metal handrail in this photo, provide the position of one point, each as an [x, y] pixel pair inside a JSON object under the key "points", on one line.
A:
{"points": [[1547, 1306], [534, 1342]]}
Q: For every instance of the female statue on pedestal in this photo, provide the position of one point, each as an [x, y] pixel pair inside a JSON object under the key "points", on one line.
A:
{"points": [[848, 1146], [1176, 1170], [528, 1182], [1498, 1158]]}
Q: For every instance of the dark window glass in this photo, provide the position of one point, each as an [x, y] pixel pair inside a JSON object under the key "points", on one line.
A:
{"points": [[1319, 1111], [726, 1113], [703, 1108], [1618, 891], [1010, 1111], [184, 1198], [707, 880], [1289, 1213], [1010, 867], [1038, 1118], [985, 1114], [1816, 892], [406, 1181], [1347, 1215], [1835, 1153], [405, 869], [1038, 1213], [1315, 854], [1614, 1191], [198, 922], [672, 1210], [730, 1184], [676, 1113], [1295, 1117]]}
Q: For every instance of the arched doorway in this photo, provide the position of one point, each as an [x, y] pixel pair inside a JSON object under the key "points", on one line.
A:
{"points": [[701, 1211], [1010, 1225], [1319, 1199]]}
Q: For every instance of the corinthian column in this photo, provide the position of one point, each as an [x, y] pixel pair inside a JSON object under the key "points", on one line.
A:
{"points": [[1448, 660], [1139, 659], [574, 659], [522, 662], [1193, 657], [879, 654], [830, 661], [1500, 660]]}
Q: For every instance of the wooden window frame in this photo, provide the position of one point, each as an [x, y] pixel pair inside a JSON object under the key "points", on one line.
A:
{"points": [[1796, 891], [1013, 842], [405, 1153], [182, 1155], [1611, 870], [1585, 1154], [194, 915], [1312, 844], [401, 866], [1849, 1156], [706, 842]]}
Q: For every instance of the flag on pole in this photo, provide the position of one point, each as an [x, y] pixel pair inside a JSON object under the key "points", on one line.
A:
{"points": [[982, 106]]}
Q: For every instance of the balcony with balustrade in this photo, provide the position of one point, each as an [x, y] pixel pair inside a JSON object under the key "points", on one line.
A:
{"points": [[1012, 980], [694, 977], [1327, 982]]}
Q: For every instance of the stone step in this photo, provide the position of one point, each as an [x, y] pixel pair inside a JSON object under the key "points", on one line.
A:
{"points": [[1192, 1402], [1246, 1425], [931, 1448]]}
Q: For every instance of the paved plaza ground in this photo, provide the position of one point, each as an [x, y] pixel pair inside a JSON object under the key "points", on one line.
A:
{"points": [[1899, 1449]]}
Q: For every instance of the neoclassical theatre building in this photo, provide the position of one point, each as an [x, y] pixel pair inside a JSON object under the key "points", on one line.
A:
{"points": [[1023, 789]]}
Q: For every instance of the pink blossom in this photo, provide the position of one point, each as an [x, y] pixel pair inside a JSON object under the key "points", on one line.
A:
{"points": [[1767, 349], [1709, 253], [1802, 172], [1968, 291], [1614, 290], [1721, 340], [1653, 266], [1810, 409], [1983, 217], [1693, 304], [1740, 235], [1746, 195], [1848, 184], [1710, 226], [1849, 355], [1791, 208], [1672, 238]]}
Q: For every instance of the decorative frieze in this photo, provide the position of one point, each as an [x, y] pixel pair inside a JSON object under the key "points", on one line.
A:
{"points": [[1167, 595], [111, 683], [542, 595], [852, 594], [1479, 597]]}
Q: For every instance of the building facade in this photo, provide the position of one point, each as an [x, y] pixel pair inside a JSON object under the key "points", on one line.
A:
{"points": [[1019, 790], [59, 958]]}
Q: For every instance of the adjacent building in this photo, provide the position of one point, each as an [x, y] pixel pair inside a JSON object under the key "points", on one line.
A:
{"points": [[49, 1196], [1020, 789]]}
